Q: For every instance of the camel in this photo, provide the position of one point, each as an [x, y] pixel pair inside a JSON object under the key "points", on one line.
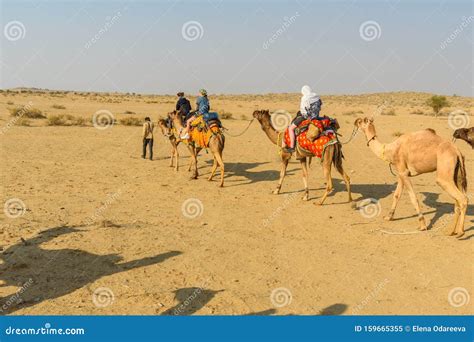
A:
{"points": [[174, 140], [421, 152], [332, 154], [466, 134], [216, 145]]}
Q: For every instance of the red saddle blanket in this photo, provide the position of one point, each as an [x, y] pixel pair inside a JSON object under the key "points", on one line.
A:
{"points": [[317, 146]]}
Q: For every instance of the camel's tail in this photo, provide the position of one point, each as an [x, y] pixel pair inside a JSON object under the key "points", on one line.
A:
{"points": [[460, 177], [337, 157]]}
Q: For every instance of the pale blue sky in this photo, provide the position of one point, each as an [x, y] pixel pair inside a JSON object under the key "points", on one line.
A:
{"points": [[143, 49]]}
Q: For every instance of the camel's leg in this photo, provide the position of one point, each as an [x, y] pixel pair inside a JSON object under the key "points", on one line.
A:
{"points": [[176, 155], [414, 200], [218, 156], [214, 168], [460, 205], [171, 157], [194, 162], [304, 168], [396, 197], [347, 180], [327, 174], [284, 165]]}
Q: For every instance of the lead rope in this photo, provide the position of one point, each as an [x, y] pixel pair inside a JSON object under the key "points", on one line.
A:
{"points": [[238, 135], [353, 134]]}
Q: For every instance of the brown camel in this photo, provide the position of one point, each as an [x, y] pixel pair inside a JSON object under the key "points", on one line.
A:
{"points": [[422, 152], [216, 145], [174, 141], [332, 154], [466, 134]]}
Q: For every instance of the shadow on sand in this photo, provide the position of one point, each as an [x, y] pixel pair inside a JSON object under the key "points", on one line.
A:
{"points": [[332, 310], [46, 274], [190, 300]]}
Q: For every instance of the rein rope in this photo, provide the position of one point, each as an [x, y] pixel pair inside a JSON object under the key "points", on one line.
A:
{"points": [[238, 135], [353, 134]]}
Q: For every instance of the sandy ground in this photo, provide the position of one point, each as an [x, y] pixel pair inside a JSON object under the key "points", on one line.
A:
{"points": [[105, 232]]}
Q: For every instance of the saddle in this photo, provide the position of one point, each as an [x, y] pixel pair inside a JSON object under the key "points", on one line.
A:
{"points": [[315, 127], [200, 132]]}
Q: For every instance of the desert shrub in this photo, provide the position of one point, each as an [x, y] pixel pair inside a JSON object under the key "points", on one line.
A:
{"points": [[397, 134], [80, 121], [56, 120], [23, 122], [437, 102], [128, 112], [353, 112], [417, 112], [225, 115], [390, 112], [30, 113], [10, 103], [66, 120], [56, 106], [131, 121]]}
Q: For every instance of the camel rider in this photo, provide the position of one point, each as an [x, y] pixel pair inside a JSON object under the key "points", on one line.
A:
{"points": [[310, 106], [183, 106], [203, 106]]}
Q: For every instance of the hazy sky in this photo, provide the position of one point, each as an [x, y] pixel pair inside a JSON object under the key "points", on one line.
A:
{"points": [[239, 46]]}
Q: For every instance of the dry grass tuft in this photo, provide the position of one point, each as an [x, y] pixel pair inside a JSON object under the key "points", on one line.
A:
{"points": [[30, 113]]}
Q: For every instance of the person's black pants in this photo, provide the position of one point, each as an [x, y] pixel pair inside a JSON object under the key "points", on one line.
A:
{"points": [[148, 142]]}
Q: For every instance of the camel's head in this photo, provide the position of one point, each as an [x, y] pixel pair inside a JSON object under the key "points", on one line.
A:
{"points": [[460, 133], [366, 125], [261, 114], [162, 123]]}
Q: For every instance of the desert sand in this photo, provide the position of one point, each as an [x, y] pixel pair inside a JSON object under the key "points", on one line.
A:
{"points": [[106, 232]]}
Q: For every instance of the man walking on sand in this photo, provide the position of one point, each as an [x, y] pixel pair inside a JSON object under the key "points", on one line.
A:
{"points": [[148, 137]]}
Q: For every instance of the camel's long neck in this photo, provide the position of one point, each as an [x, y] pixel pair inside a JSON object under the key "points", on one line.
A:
{"points": [[177, 123], [381, 150], [269, 130]]}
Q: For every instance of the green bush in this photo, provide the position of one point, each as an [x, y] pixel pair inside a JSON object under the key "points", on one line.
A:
{"points": [[437, 102]]}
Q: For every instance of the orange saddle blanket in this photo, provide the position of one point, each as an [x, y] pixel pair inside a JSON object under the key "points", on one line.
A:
{"points": [[317, 146], [200, 134]]}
